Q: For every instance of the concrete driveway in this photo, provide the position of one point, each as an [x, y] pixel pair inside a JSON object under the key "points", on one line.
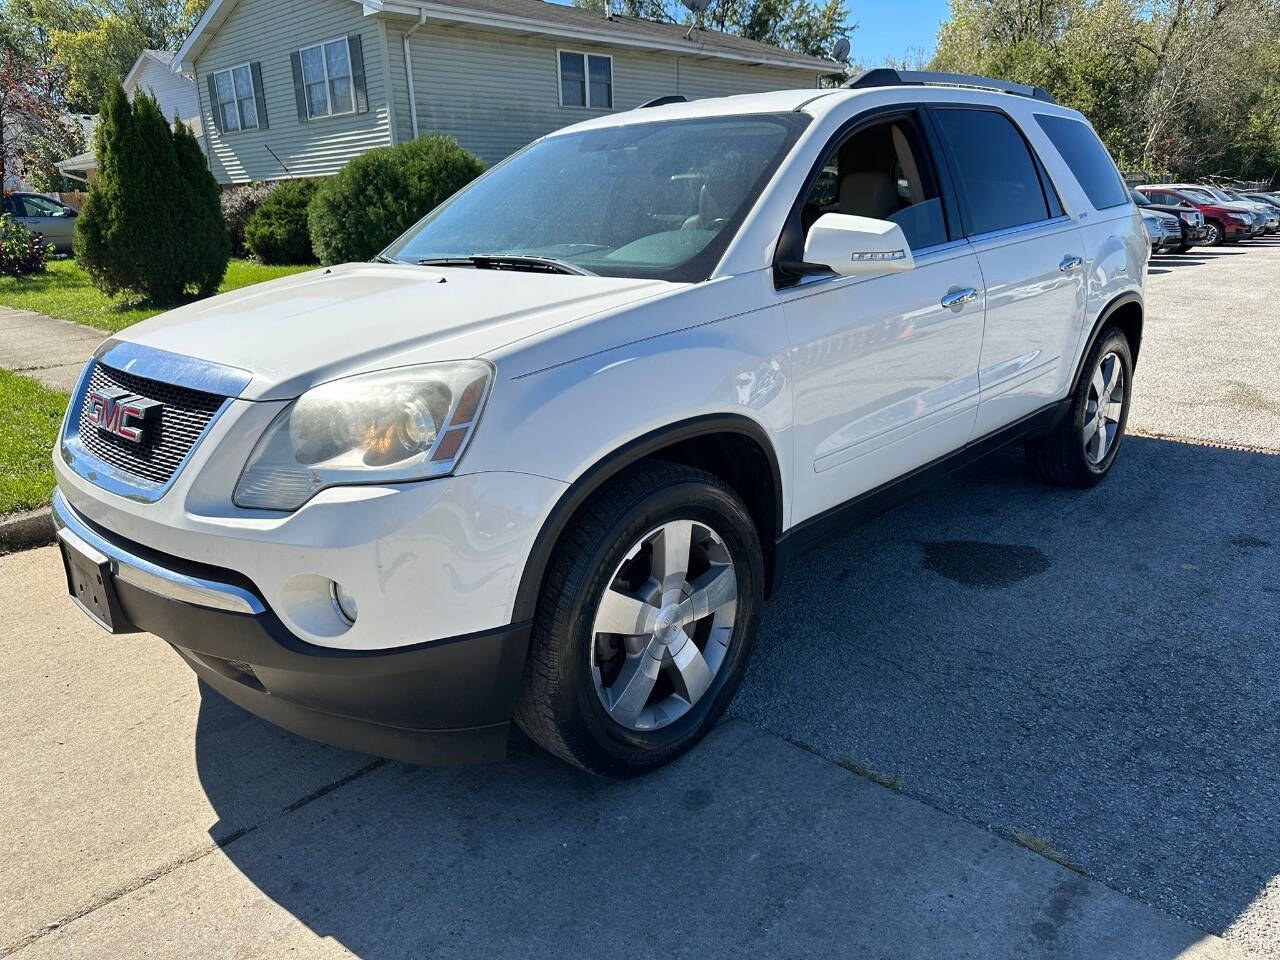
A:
{"points": [[994, 669]]}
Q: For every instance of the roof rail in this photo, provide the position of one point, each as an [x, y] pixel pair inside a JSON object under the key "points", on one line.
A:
{"points": [[887, 77], [663, 101]]}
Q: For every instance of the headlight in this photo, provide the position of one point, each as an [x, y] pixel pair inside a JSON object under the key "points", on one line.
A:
{"points": [[1242, 217], [410, 423], [1153, 228]]}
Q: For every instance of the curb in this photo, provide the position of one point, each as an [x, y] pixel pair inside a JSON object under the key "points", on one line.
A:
{"points": [[26, 530]]}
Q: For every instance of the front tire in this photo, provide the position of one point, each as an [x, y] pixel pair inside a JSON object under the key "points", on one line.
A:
{"points": [[1215, 235], [1082, 449], [645, 623]]}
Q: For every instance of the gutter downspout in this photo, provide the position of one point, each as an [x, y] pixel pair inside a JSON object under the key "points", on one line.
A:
{"points": [[408, 71]]}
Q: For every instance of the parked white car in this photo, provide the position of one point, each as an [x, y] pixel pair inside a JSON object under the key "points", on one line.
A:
{"points": [[545, 458]]}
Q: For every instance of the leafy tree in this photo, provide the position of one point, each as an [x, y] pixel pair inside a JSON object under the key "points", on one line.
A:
{"points": [[27, 112], [151, 225], [93, 42], [1184, 88]]}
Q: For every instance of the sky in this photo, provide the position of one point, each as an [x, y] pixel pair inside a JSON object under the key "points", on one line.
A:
{"points": [[895, 28]]}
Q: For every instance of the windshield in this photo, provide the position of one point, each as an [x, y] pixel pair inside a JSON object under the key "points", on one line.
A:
{"points": [[655, 200], [1202, 196], [1218, 194], [1139, 199]]}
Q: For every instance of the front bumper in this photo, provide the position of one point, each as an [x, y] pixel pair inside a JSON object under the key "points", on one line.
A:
{"points": [[448, 700]]}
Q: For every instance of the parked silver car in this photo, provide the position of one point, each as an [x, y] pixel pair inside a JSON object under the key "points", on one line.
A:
{"points": [[44, 215]]}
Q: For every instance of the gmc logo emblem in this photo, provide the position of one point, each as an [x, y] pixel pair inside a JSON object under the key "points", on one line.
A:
{"points": [[123, 414]]}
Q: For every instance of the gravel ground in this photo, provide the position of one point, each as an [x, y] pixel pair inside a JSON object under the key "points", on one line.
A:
{"points": [[1092, 671], [1210, 365]]}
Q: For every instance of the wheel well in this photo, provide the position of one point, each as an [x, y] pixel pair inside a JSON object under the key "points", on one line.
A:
{"points": [[731, 447], [744, 465], [1128, 317]]}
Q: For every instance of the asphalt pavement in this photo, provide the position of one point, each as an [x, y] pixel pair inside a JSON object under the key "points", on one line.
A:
{"points": [[1002, 720]]}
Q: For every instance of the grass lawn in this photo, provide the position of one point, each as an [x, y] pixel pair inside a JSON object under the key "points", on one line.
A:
{"points": [[66, 292], [28, 431]]}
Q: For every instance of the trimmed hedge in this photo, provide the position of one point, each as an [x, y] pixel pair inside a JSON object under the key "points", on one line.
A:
{"points": [[278, 231], [21, 251], [380, 194]]}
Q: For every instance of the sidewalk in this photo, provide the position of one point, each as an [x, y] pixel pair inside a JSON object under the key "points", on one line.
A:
{"points": [[52, 352]]}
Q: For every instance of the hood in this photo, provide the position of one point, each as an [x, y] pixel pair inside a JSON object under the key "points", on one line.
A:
{"points": [[293, 333]]}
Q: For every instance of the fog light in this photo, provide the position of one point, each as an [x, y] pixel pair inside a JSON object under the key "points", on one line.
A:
{"points": [[344, 602]]}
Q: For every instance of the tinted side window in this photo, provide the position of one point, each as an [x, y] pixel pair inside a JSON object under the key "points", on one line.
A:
{"points": [[1088, 160], [995, 173]]}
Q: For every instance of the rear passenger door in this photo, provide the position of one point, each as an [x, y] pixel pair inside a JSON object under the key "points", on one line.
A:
{"points": [[1032, 260]]}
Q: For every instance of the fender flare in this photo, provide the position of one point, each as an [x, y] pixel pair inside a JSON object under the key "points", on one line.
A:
{"points": [[594, 477], [1104, 317]]}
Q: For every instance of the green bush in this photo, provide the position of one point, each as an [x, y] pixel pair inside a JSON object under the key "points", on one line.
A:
{"points": [[21, 251], [379, 195], [238, 205], [277, 232], [152, 225]]}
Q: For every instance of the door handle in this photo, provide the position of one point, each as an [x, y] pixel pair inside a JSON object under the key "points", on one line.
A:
{"points": [[1069, 263], [960, 297]]}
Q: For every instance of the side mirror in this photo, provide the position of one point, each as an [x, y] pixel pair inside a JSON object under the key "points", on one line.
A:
{"points": [[858, 246]]}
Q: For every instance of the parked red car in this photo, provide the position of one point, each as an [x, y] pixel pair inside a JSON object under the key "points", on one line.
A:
{"points": [[1225, 222]]}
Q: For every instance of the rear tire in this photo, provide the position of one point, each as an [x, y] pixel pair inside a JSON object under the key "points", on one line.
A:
{"points": [[1081, 450], [623, 703]]}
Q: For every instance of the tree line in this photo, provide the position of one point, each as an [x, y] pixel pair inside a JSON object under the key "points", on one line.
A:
{"points": [[1176, 88], [1179, 88], [60, 57]]}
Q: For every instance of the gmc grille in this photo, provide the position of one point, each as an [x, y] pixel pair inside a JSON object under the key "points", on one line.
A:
{"points": [[167, 442]]}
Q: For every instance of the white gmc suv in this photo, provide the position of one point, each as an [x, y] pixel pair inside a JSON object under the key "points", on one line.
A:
{"points": [[545, 457]]}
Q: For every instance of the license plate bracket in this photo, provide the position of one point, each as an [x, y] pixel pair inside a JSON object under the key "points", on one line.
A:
{"points": [[92, 585]]}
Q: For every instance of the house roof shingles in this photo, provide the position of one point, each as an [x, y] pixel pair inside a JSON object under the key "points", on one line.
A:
{"points": [[707, 42]]}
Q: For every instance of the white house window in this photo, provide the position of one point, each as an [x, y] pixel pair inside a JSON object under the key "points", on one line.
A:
{"points": [[586, 80], [236, 106], [326, 75]]}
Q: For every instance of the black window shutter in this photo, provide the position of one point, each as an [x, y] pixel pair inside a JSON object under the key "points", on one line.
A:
{"points": [[213, 104], [259, 95], [299, 91], [357, 73]]}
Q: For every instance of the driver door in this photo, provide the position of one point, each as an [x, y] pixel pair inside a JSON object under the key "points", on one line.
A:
{"points": [[884, 368]]}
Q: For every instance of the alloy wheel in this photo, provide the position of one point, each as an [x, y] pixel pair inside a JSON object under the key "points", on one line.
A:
{"points": [[664, 624], [1213, 236], [1104, 409]]}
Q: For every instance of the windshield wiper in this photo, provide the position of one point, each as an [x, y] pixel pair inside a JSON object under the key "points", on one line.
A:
{"points": [[383, 258], [503, 261]]}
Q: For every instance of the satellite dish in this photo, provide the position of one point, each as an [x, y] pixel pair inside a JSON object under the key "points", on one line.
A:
{"points": [[841, 50], [696, 6]]}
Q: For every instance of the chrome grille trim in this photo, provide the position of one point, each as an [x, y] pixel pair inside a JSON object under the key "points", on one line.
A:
{"points": [[157, 457], [104, 461]]}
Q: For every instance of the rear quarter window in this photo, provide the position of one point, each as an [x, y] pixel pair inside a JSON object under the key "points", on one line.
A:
{"points": [[1087, 159]]}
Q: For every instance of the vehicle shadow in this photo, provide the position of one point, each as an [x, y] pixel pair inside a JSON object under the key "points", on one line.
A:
{"points": [[1168, 263], [1093, 672]]}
